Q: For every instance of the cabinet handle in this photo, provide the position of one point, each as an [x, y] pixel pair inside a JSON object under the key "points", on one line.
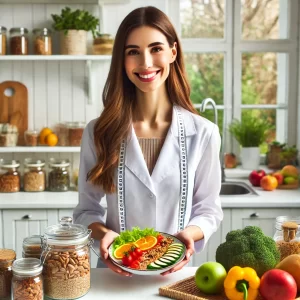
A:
{"points": [[26, 217], [254, 215]]}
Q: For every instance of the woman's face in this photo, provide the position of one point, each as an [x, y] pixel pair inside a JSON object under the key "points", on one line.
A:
{"points": [[147, 58]]}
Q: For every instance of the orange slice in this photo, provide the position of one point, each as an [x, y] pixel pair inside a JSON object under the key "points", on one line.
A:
{"points": [[119, 252], [146, 243]]}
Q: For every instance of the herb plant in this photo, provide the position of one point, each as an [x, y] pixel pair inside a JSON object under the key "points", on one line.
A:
{"points": [[75, 20]]}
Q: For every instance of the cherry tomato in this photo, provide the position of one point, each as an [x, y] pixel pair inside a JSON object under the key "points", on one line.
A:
{"points": [[133, 253], [135, 264], [127, 259], [159, 238], [138, 252]]}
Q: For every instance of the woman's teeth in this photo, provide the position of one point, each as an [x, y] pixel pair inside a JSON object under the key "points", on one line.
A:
{"points": [[148, 75]]}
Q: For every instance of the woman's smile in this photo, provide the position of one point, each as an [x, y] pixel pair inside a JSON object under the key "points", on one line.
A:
{"points": [[147, 76]]}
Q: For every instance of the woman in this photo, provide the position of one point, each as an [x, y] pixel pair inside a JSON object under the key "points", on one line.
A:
{"points": [[149, 153]]}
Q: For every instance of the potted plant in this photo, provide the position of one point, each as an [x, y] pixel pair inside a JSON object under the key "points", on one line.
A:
{"points": [[250, 133], [73, 27]]}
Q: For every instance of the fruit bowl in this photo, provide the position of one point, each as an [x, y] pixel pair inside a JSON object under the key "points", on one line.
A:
{"points": [[290, 186], [173, 255]]}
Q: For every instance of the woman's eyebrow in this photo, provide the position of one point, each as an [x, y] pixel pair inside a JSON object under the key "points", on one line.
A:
{"points": [[150, 45]]}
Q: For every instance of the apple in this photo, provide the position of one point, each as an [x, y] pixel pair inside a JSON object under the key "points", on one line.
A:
{"points": [[256, 176], [230, 160], [210, 277], [269, 183], [277, 284], [278, 175]]}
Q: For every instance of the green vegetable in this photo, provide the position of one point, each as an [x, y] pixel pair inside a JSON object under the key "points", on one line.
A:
{"points": [[130, 236], [248, 247]]}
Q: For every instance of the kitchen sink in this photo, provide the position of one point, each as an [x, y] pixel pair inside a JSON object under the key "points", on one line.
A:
{"points": [[236, 189]]}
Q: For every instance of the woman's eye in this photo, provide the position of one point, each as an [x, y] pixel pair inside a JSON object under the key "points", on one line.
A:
{"points": [[132, 52], [156, 49]]}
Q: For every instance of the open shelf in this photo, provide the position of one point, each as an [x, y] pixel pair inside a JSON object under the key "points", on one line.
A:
{"points": [[20, 149], [56, 57]]}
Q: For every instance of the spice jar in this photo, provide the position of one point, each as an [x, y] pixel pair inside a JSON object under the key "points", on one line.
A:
{"points": [[103, 44], [62, 132], [19, 41], [27, 281], [10, 180], [75, 133], [32, 246], [34, 175], [287, 236], [7, 257], [2, 40], [42, 41], [31, 137], [59, 176], [66, 257]]}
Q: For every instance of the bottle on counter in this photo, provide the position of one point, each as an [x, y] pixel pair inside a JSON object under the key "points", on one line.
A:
{"points": [[18, 41], [59, 175], [27, 281], [32, 247], [42, 41], [3, 39], [7, 257], [66, 256], [10, 179], [34, 175]]}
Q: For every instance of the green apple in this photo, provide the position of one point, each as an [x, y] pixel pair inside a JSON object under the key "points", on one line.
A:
{"points": [[289, 180], [210, 277]]}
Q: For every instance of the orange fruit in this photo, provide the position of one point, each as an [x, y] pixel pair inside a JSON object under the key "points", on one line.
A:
{"points": [[51, 139], [119, 252], [146, 243], [43, 134]]}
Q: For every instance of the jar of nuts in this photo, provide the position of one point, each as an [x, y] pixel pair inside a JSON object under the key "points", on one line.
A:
{"points": [[7, 257], [59, 176], [42, 41], [66, 257], [10, 179], [287, 235], [2, 40], [27, 281], [31, 137], [75, 133], [34, 175], [19, 41], [32, 246]]}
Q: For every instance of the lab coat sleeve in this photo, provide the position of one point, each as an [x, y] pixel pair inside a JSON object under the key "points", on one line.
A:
{"points": [[206, 208], [89, 210]]}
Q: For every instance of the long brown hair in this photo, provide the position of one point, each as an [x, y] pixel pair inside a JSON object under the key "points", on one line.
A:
{"points": [[115, 122]]}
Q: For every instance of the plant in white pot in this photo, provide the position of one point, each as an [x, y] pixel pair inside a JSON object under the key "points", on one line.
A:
{"points": [[73, 27], [250, 133]]}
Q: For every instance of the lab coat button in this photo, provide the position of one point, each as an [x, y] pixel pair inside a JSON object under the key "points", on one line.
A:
{"points": [[151, 195]]}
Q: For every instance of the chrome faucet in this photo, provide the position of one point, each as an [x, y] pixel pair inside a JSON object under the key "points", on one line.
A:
{"points": [[202, 109]]}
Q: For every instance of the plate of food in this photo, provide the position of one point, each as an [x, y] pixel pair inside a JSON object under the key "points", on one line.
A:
{"points": [[146, 251]]}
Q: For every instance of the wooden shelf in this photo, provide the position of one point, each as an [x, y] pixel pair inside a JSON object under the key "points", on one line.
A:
{"points": [[40, 149], [56, 57]]}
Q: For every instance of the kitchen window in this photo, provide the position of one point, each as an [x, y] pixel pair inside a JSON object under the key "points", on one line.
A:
{"points": [[243, 54]]}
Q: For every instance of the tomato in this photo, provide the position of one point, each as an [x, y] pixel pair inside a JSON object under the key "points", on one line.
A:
{"points": [[135, 264], [133, 253], [127, 259], [159, 238], [138, 252]]}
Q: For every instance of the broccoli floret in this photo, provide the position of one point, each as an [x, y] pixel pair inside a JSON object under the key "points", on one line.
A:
{"points": [[248, 247]]}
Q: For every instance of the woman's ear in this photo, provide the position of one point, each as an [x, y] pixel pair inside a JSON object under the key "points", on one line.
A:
{"points": [[174, 52]]}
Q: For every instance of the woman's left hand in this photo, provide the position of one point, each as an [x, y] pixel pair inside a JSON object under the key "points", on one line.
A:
{"points": [[187, 239]]}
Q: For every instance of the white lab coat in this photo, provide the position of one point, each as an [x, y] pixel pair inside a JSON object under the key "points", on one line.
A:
{"points": [[153, 201]]}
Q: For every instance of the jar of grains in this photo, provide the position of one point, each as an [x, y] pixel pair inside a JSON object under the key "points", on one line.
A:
{"points": [[7, 257], [10, 179], [287, 236], [31, 137], [32, 246], [27, 281], [18, 41], [42, 41], [75, 133], [66, 257], [59, 176], [34, 175], [3, 40]]}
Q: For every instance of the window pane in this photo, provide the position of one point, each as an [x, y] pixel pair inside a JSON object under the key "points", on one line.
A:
{"points": [[202, 18], [264, 78], [264, 19]]}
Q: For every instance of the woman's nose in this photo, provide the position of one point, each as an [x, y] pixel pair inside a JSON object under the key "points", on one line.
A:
{"points": [[146, 60]]}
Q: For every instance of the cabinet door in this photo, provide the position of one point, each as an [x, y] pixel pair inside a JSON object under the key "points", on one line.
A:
{"points": [[264, 218], [19, 224]]}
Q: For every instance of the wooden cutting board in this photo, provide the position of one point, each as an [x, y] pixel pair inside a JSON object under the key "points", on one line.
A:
{"points": [[14, 108]]}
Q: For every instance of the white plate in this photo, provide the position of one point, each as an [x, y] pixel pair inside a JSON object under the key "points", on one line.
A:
{"points": [[118, 262]]}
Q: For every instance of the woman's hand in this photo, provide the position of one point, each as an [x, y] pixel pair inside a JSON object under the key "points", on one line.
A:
{"points": [[105, 242]]}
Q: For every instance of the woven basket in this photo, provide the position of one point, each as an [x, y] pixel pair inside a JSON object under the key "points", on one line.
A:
{"points": [[74, 42]]}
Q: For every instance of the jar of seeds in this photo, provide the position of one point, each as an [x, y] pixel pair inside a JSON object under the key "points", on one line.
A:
{"points": [[7, 257], [10, 179], [19, 41], [34, 175], [42, 41], [32, 246], [59, 176]]}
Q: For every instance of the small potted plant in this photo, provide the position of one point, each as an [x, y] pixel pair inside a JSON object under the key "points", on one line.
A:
{"points": [[73, 27], [250, 134]]}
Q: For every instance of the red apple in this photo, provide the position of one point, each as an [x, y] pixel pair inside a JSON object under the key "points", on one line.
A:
{"points": [[279, 177], [277, 284], [256, 176]]}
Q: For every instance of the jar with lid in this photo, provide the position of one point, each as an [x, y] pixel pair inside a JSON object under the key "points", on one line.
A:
{"points": [[287, 235], [32, 246], [59, 175], [103, 44], [34, 175], [75, 133], [31, 137], [66, 257], [3, 38], [10, 179], [27, 279], [19, 41], [42, 41], [7, 257]]}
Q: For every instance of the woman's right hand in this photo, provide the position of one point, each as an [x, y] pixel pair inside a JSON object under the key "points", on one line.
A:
{"points": [[105, 242]]}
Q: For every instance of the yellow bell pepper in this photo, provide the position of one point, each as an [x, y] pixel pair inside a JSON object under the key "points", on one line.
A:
{"points": [[241, 284]]}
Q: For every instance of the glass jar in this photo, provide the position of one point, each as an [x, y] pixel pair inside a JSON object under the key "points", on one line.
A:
{"points": [[66, 257], [3, 38], [27, 279], [42, 41], [34, 175], [7, 257], [287, 235], [75, 133], [31, 137], [103, 44], [32, 246], [10, 179], [18, 41], [59, 176]]}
